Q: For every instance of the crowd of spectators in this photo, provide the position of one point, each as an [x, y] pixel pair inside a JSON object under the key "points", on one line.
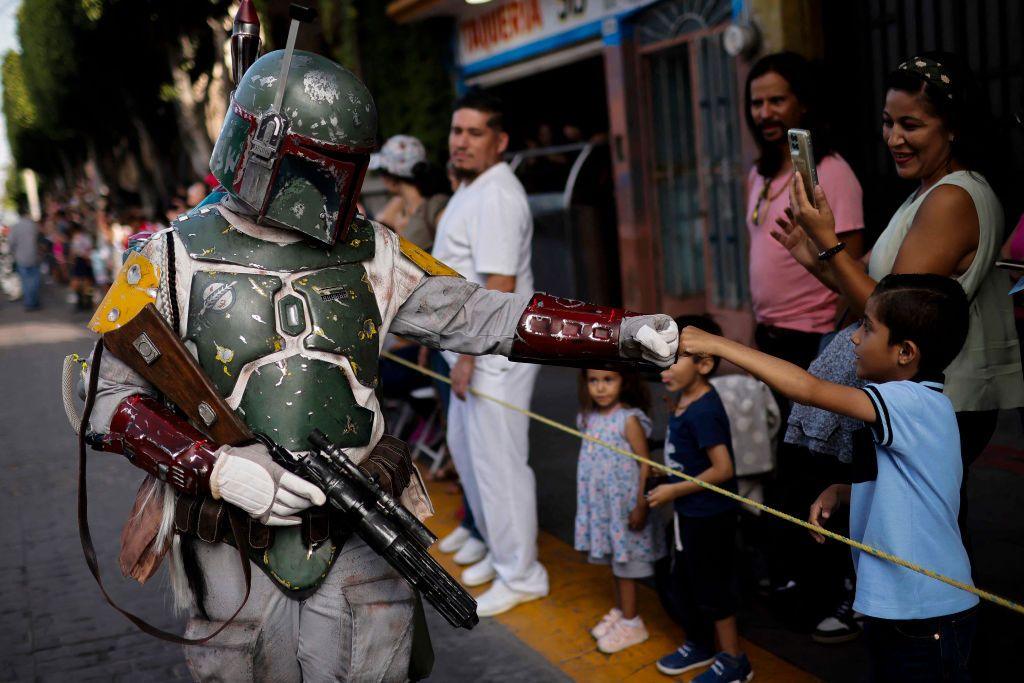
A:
{"points": [[79, 240]]}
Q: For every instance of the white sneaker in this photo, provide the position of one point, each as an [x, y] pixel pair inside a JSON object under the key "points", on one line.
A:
{"points": [[471, 552], [479, 573], [500, 598], [623, 633], [606, 623], [455, 540]]}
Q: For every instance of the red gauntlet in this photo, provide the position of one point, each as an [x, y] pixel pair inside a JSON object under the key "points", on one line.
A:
{"points": [[162, 443], [568, 332]]}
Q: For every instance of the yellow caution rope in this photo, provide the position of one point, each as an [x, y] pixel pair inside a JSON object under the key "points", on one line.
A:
{"points": [[983, 594]]}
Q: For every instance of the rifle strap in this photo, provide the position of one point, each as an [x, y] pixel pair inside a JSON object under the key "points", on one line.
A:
{"points": [[238, 526], [172, 283]]}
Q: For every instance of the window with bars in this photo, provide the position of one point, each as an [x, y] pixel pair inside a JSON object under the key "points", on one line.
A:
{"points": [[694, 167]]}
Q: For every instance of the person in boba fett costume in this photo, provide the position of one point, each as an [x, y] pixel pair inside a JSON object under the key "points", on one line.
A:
{"points": [[284, 293]]}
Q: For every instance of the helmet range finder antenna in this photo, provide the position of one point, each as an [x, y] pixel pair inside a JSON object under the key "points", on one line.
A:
{"points": [[245, 40], [262, 161], [298, 14]]}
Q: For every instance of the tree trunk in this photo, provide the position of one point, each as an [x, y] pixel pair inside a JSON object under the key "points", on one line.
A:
{"points": [[218, 93], [189, 106], [152, 163]]}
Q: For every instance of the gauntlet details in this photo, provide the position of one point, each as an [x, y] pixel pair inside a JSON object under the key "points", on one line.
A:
{"points": [[570, 331]]}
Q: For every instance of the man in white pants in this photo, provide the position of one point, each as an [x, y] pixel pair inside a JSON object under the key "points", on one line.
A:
{"points": [[485, 234]]}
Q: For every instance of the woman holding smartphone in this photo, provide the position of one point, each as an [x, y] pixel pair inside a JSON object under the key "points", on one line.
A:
{"points": [[935, 127]]}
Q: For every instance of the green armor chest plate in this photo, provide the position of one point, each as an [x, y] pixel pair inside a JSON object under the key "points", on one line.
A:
{"points": [[274, 342]]}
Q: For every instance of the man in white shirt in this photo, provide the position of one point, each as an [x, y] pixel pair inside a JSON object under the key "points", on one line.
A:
{"points": [[485, 234]]}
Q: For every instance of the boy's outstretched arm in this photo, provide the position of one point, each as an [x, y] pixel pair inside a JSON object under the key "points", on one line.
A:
{"points": [[793, 382]]}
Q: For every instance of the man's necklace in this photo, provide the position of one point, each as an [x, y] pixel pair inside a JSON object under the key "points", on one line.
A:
{"points": [[757, 216]]}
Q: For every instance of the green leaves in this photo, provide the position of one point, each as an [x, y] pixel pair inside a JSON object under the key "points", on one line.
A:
{"points": [[50, 32], [93, 9], [23, 134], [90, 72]]}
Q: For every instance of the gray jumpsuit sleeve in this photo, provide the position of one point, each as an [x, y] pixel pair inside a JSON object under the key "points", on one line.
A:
{"points": [[116, 382], [457, 315]]}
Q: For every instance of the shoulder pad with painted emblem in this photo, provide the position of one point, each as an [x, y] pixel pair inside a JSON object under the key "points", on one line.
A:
{"points": [[424, 261]]}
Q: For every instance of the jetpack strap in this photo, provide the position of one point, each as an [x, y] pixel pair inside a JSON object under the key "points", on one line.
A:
{"points": [[238, 527]]}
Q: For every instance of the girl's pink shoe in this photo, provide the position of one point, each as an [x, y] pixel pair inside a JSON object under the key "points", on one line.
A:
{"points": [[624, 633], [606, 623]]}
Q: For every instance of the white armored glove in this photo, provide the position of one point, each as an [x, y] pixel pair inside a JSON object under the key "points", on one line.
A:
{"points": [[655, 338], [248, 478]]}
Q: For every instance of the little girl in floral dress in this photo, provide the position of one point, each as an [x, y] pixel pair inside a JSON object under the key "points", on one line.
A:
{"points": [[611, 511]]}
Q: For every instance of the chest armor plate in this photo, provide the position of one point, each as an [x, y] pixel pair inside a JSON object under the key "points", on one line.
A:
{"points": [[275, 340]]}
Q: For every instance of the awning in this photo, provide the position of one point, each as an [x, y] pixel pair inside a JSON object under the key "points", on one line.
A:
{"points": [[537, 65], [404, 11]]}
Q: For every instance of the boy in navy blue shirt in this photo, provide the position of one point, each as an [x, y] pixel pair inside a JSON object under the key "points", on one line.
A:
{"points": [[907, 498], [704, 543]]}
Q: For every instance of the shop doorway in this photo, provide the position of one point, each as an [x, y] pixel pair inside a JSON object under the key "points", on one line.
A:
{"points": [[558, 127]]}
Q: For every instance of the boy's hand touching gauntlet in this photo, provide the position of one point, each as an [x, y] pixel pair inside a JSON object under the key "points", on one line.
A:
{"points": [[696, 342]]}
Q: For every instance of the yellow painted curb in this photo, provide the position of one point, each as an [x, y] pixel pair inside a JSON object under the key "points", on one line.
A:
{"points": [[558, 627]]}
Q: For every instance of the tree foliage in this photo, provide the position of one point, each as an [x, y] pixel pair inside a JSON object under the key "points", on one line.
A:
{"points": [[102, 79], [95, 73], [406, 67], [23, 135], [50, 33]]}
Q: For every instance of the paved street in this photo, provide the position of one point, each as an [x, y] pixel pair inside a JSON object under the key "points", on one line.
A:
{"points": [[56, 627]]}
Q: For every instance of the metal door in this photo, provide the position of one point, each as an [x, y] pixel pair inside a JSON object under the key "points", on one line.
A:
{"points": [[693, 160]]}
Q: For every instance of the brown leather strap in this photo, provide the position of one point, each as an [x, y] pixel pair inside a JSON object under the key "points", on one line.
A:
{"points": [[238, 527], [390, 463]]}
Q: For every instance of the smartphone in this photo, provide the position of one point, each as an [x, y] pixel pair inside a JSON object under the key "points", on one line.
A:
{"points": [[802, 154]]}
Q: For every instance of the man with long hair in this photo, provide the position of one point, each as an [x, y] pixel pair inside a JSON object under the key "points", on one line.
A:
{"points": [[792, 308]]}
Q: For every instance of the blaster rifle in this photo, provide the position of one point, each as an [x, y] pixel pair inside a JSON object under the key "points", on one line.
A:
{"points": [[381, 521]]}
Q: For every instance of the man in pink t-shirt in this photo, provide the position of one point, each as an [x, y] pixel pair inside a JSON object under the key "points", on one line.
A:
{"points": [[792, 308]]}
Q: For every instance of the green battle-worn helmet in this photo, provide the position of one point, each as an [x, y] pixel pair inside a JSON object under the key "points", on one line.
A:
{"points": [[298, 164]]}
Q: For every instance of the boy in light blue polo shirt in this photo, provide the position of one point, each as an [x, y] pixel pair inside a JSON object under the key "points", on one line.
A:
{"points": [[910, 508], [908, 493]]}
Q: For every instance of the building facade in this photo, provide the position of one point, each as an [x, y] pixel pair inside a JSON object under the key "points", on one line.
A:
{"points": [[649, 84]]}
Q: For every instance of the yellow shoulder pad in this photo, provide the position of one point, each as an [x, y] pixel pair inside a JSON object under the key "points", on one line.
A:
{"points": [[134, 287], [427, 263]]}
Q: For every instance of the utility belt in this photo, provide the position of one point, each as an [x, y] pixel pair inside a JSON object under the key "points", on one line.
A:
{"points": [[206, 519], [296, 558]]}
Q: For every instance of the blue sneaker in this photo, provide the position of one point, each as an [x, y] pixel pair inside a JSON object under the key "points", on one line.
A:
{"points": [[687, 657], [727, 669]]}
